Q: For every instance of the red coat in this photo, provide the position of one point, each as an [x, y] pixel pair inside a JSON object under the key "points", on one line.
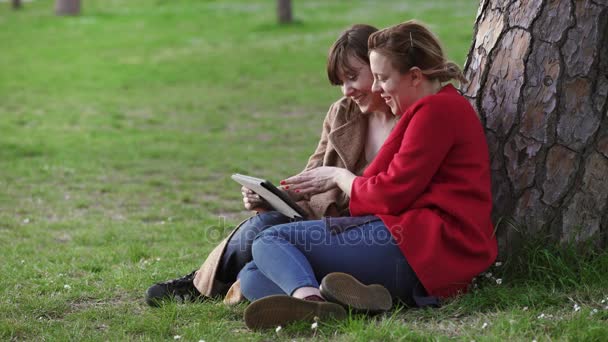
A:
{"points": [[430, 185]]}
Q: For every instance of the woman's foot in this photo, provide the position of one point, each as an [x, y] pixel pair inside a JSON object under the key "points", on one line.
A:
{"points": [[272, 311], [181, 290], [344, 289]]}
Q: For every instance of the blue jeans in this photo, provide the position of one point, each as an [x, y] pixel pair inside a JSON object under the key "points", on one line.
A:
{"points": [[238, 249], [299, 254]]}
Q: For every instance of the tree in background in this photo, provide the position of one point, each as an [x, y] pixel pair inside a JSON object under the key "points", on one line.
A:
{"points": [[539, 81], [67, 7], [284, 11], [16, 4]]}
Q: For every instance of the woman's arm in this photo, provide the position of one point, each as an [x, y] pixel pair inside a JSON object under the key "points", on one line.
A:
{"points": [[425, 143], [316, 159], [319, 180], [344, 180]]}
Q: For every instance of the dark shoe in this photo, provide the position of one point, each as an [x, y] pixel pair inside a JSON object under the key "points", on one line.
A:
{"points": [[272, 311], [344, 289], [181, 290]]}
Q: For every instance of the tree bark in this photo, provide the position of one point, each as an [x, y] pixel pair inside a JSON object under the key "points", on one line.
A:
{"points": [[284, 11], [67, 7], [16, 4], [539, 81]]}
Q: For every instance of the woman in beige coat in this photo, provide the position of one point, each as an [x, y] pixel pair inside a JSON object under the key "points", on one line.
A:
{"points": [[354, 129]]}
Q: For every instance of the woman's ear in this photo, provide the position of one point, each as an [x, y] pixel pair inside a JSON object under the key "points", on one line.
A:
{"points": [[417, 76]]}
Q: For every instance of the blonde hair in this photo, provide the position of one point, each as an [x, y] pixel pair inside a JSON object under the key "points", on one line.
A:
{"points": [[411, 44]]}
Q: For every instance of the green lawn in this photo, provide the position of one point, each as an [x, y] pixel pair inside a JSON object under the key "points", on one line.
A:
{"points": [[119, 130]]}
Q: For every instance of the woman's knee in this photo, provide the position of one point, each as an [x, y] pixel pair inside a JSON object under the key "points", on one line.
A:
{"points": [[269, 238], [245, 275], [273, 232], [299, 234], [255, 285]]}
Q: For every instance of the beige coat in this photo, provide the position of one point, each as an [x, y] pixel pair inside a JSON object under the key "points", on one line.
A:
{"points": [[342, 145]]}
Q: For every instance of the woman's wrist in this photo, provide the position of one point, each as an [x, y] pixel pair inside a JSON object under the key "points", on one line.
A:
{"points": [[344, 180]]}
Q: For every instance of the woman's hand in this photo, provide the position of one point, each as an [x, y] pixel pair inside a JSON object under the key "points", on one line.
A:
{"points": [[295, 196], [253, 201], [318, 180]]}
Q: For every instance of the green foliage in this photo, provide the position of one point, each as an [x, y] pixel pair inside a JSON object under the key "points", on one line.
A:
{"points": [[564, 267], [120, 129]]}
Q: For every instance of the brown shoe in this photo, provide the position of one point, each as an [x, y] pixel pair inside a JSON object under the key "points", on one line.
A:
{"points": [[272, 311], [344, 289]]}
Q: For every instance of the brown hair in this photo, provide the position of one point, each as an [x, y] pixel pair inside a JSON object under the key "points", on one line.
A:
{"points": [[352, 42], [411, 44]]}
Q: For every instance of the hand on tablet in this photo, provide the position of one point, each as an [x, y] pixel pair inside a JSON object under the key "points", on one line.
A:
{"points": [[253, 201], [295, 196], [313, 181]]}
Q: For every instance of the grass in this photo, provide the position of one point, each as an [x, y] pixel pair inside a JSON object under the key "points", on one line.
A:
{"points": [[120, 129]]}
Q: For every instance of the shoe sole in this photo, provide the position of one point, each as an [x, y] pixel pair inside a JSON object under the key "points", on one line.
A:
{"points": [[344, 289], [272, 311]]}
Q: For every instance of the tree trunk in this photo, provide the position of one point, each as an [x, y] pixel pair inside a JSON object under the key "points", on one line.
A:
{"points": [[16, 4], [67, 7], [284, 11], [539, 81]]}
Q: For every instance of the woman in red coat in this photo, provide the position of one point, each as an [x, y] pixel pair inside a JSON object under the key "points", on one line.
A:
{"points": [[429, 186]]}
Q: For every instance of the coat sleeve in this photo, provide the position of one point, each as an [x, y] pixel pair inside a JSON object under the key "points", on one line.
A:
{"points": [[321, 204], [425, 143], [316, 159]]}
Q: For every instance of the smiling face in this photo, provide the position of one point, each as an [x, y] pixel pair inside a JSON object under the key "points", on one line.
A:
{"points": [[398, 90], [357, 84]]}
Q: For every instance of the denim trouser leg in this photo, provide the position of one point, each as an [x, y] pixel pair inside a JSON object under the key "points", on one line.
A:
{"points": [[258, 285], [238, 249], [299, 254]]}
